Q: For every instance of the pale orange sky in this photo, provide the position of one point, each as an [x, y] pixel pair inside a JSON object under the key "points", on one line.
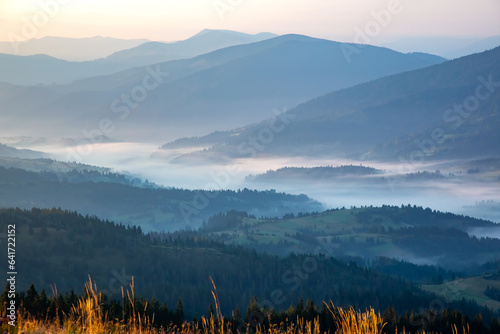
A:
{"points": [[171, 20]]}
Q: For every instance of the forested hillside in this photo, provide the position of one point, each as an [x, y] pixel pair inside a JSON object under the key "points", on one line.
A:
{"points": [[176, 266], [411, 233], [112, 196]]}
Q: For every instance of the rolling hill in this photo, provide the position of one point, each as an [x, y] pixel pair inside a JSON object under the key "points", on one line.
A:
{"points": [[412, 234], [471, 288]]}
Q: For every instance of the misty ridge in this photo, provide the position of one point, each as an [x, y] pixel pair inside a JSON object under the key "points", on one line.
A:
{"points": [[267, 162]]}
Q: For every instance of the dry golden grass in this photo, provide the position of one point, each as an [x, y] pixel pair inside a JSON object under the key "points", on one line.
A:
{"points": [[350, 322], [87, 317]]}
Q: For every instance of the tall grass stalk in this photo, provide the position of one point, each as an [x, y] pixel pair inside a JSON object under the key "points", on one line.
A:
{"points": [[351, 322]]}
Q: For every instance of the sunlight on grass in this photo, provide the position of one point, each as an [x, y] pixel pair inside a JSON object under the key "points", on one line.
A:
{"points": [[349, 321], [88, 317]]}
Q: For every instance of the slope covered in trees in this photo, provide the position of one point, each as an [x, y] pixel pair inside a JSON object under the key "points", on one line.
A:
{"points": [[62, 248], [112, 196], [411, 233]]}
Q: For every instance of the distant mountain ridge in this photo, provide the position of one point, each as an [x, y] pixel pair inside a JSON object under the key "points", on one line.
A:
{"points": [[388, 118], [219, 90], [33, 69], [206, 41], [445, 46], [70, 49], [46, 70]]}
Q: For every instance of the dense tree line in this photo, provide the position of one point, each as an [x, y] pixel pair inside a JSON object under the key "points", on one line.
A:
{"points": [[313, 173], [419, 216], [492, 292], [430, 240], [225, 220], [422, 274]]}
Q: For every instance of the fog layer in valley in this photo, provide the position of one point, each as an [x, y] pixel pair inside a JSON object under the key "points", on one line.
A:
{"points": [[456, 191]]}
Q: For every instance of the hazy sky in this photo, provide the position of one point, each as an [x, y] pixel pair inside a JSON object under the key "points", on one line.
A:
{"points": [[170, 20]]}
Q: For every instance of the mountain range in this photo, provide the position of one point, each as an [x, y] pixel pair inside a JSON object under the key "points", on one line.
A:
{"points": [[205, 41], [445, 111], [41, 66], [205, 93]]}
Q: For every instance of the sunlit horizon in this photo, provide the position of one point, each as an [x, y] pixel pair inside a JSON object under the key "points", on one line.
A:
{"points": [[178, 20]]}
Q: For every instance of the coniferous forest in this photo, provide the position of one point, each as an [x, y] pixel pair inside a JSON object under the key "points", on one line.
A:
{"points": [[171, 276]]}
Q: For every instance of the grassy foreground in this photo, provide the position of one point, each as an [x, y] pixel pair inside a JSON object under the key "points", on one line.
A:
{"points": [[88, 317]]}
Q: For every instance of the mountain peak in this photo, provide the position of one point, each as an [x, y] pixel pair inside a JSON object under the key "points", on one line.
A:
{"points": [[231, 33]]}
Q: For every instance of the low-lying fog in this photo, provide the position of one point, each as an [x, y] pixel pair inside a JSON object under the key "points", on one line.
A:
{"points": [[457, 194]]}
